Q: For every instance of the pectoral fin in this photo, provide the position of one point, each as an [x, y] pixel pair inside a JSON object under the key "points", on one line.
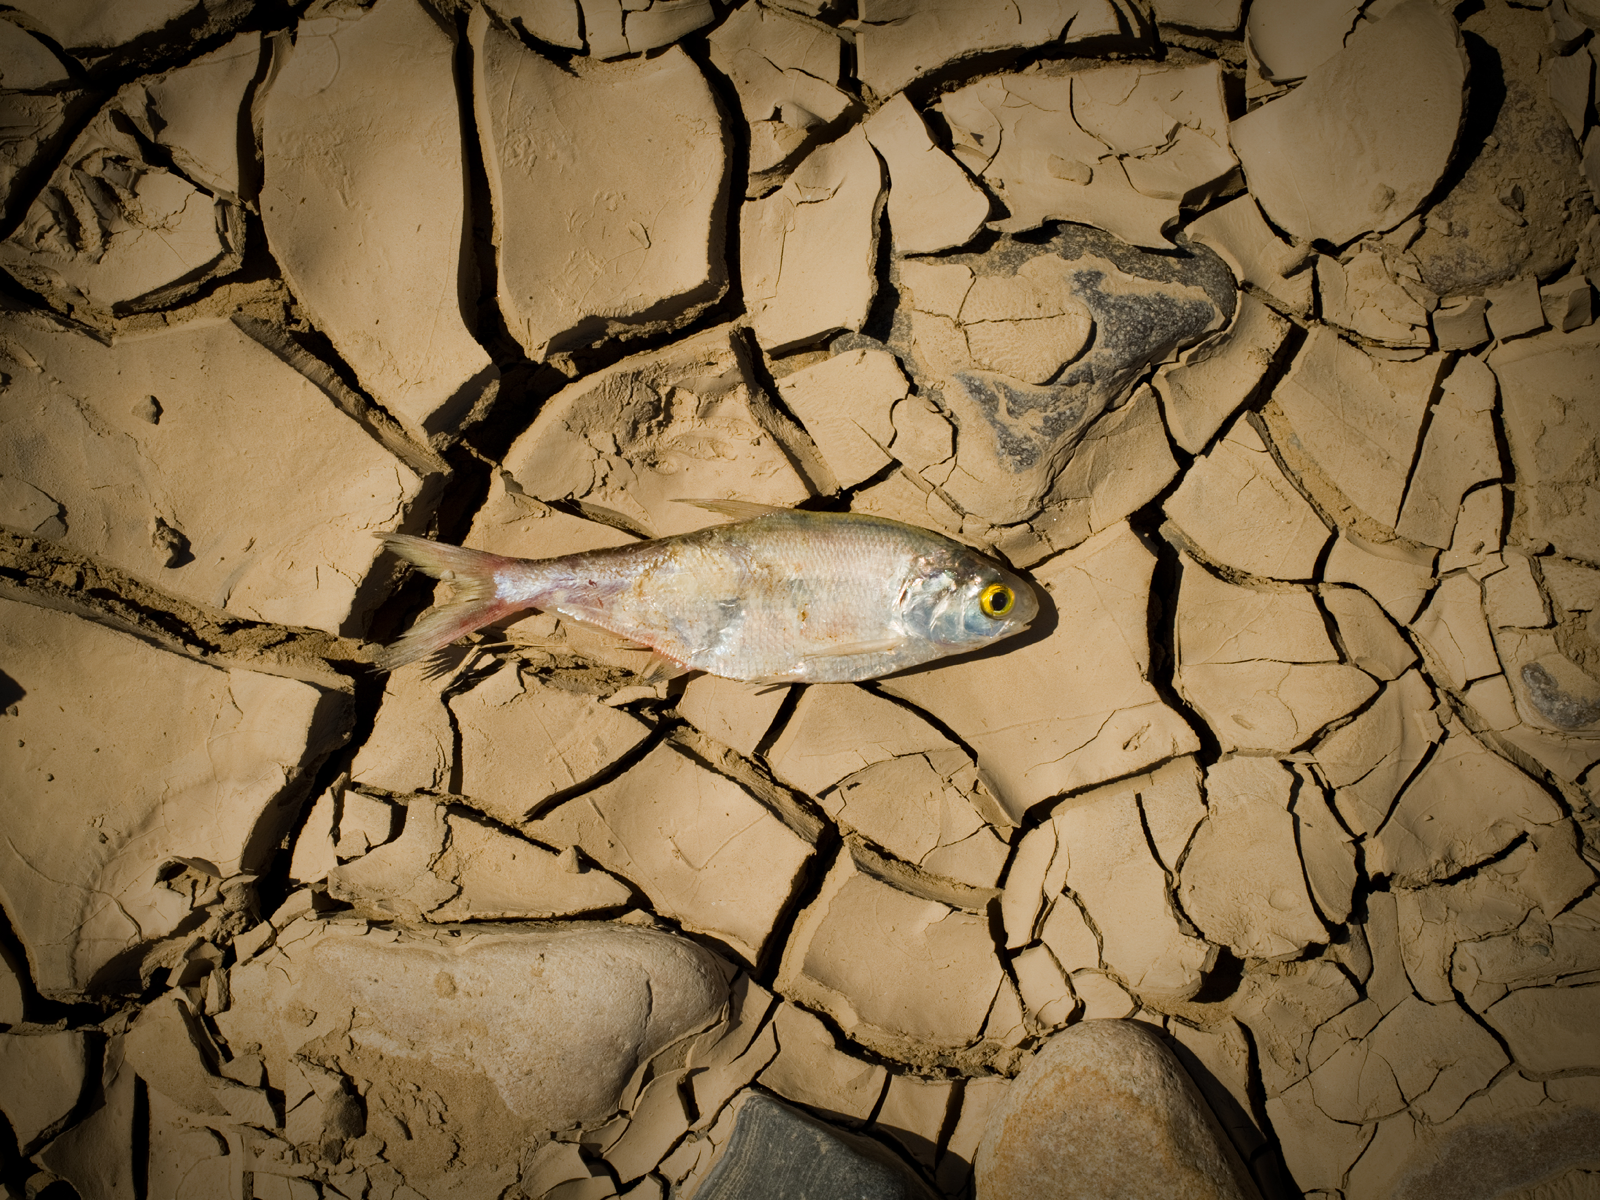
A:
{"points": [[739, 510], [844, 650], [853, 649]]}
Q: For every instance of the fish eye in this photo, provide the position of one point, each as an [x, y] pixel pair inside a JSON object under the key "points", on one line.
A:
{"points": [[996, 600]]}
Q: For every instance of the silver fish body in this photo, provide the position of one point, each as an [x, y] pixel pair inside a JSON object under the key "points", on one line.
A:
{"points": [[785, 596]]}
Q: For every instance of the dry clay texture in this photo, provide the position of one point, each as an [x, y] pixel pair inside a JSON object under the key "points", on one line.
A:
{"points": [[1258, 334]]}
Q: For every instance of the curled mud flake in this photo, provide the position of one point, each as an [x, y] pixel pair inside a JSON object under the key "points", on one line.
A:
{"points": [[341, 153], [1307, 165], [652, 257], [1554, 703], [114, 233], [809, 248], [148, 409]]}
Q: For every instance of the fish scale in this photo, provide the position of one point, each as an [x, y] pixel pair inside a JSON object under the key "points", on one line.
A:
{"points": [[780, 596]]}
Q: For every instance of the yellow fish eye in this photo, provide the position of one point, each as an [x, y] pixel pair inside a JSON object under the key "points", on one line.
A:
{"points": [[996, 600]]}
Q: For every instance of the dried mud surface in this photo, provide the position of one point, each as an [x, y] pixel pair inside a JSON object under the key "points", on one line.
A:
{"points": [[1260, 334]]}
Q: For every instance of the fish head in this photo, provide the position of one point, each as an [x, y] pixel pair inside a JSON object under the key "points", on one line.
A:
{"points": [[969, 601]]}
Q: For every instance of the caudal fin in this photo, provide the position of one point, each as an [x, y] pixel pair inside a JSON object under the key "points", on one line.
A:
{"points": [[474, 604]]}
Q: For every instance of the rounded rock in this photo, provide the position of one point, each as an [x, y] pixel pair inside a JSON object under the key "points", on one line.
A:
{"points": [[1105, 1110], [543, 1022]]}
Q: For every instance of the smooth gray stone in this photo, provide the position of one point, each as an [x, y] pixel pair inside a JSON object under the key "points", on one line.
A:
{"points": [[777, 1153], [1562, 710], [1509, 1157]]}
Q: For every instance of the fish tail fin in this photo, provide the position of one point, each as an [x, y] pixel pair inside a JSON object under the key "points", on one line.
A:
{"points": [[476, 601]]}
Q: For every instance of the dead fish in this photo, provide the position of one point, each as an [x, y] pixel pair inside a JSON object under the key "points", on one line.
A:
{"points": [[780, 595]]}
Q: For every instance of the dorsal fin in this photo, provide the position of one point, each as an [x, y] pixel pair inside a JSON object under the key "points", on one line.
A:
{"points": [[739, 510]]}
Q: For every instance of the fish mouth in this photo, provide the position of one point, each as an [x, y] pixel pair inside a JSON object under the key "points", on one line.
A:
{"points": [[1024, 608], [1010, 629]]}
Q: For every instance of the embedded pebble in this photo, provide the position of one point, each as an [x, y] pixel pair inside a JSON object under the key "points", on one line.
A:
{"points": [[1026, 343], [524, 1027], [1512, 1138], [1105, 1107], [1519, 206], [777, 1151]]}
